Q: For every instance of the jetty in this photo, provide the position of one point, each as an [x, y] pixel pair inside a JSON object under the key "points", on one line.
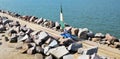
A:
{"points": [[103, 49]]}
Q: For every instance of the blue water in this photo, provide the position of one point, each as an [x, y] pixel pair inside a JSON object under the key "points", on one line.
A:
{"points": [[97, 15]]}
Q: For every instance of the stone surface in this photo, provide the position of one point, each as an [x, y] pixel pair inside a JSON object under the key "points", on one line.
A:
{"points": [[53, 43], [49, 57], [96, 39], [70, 56], [80, 50], [74, 47], [84, 57], [42, 37], [31, 50], [58, 52], [90, 51]]}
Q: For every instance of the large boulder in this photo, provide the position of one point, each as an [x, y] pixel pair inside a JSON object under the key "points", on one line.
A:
{"points": [[84, 57], [13, 38], [74, 31], [58, 52], [42, 37], [39, 21], [70, 56], [74, 47], [83, 33], [90, 51], [99, 35]]}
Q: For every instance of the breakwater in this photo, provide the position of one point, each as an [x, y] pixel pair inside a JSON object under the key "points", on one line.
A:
{"points": [[84, 33]]}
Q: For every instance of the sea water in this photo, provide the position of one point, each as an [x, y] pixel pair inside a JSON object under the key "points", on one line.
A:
{"points": [[97, 15]]}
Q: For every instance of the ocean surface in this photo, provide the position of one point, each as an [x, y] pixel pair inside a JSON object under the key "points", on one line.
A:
{"points": [[97, 15]]}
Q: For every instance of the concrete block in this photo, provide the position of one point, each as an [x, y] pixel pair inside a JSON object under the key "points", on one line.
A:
{"points": [[84, 57], [70, 56], [58, 52], [38, 56], [74, 47]]}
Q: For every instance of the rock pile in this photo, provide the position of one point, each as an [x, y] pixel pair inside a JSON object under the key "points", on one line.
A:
{"points": [[45, 46]]}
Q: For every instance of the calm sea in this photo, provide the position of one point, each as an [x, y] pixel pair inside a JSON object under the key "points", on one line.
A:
{"points": [[96, 15]]}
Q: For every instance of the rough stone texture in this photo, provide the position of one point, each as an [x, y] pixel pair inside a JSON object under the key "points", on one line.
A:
{"points": [[70, 56], [49, 57], [84, 57], [75, 46], [80, 50], [95, 56], [38, 56], [74, 31], [99, 35], [43, 36], [13, 38], [31, 50], [58, 52], [90, 51], [53, 43], [108, 37]]}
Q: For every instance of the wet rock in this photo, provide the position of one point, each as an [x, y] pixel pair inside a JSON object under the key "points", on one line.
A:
{"points": [[70, 56], [58, 52], [38, 56], [90, 51], [74, 47], [49, 57], [40, 20], [84, 57]]}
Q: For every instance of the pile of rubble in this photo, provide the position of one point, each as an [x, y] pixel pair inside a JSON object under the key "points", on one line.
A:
{"points": [[81, 33], [43, 45]]}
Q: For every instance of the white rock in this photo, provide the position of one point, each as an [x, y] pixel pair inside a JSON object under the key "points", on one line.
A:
{"points": [[70, 56], [58, 52]]}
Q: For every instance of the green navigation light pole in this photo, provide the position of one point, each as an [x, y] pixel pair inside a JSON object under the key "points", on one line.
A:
{"points": [[62, 19]]}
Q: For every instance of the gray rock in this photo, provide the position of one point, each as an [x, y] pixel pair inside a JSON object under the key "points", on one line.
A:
{"points": [[80, 50], [70, 56], [84, 57], [46, 49], [39, 49], [75, 46], [90, 51], [38, 56], [95, 56], [99, 35], [31, 50], [42, 37], [58, 52], [13, 38], [53, 43]]}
